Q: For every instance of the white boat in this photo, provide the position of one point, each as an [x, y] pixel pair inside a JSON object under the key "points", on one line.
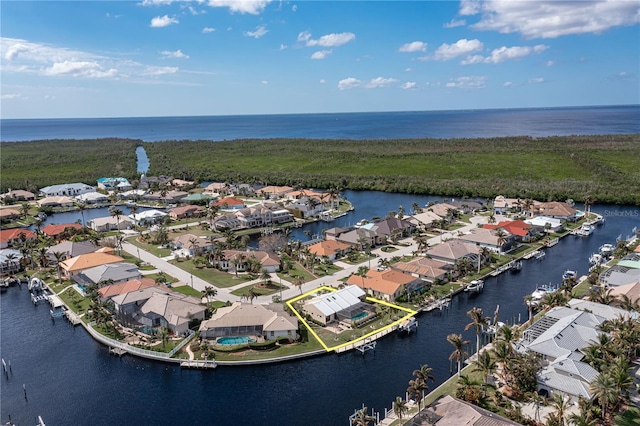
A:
{"points": [[474, 286], [569, 274], [361, 223], [585, 230], [606, 250], [539, 293], [595, 259], [539, 255], [517, 266]]}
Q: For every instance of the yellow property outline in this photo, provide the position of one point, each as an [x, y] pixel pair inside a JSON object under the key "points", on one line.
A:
{"points": [[410, 313]]}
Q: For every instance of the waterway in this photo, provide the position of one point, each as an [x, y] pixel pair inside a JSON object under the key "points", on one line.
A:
{"points": [[71, 379]]}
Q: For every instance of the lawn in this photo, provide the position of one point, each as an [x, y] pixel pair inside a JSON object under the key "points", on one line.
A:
{"points": [[185, 289], [272, 288], [216, 277], [296, 271], [75, 301], [283, 350], [151, 248]]}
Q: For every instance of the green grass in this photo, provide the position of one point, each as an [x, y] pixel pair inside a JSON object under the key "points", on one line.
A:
{"points": [[185, 289], [296, 271], [284, 350], [216, 277], [75, 301], [272, 288], [151, 248]]}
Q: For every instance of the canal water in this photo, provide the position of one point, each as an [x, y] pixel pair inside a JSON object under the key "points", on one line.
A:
{"points": [[71, 379]]}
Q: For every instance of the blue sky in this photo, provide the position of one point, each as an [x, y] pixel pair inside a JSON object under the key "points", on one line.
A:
{"points": [[220, 57]]}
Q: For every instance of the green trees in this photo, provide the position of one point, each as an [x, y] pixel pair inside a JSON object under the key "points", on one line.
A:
{"points": [[479, 323], [458, 352], [400, 407]]}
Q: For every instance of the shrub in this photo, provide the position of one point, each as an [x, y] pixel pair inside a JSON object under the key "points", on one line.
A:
{"points": [[264, 346]]}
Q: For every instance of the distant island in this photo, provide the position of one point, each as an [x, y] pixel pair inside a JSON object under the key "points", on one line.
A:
{"points": [[602, 167]]}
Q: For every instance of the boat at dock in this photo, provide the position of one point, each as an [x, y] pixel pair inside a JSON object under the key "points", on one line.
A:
{"points": [[585, 230], [606, 250], [517, 266], [569, 274], [474, 286], [539, 255], [595, 259], [539, 294]]}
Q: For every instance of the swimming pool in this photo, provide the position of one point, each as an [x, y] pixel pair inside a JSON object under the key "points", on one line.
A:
{"points": [[359, 316], [239, 340]]}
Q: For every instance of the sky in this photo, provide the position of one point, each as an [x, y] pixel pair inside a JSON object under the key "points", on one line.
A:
{"points": [[81, 59]]}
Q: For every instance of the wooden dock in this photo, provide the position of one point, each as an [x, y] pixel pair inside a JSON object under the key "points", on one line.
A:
{"points": [[198, 364]]}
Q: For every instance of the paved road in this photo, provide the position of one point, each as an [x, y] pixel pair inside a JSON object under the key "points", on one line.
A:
{"points": [[225, 293]]}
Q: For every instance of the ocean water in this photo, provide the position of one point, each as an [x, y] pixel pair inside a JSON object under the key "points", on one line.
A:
{"points": [[535, 122]]}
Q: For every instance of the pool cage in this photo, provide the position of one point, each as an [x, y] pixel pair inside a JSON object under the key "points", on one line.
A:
{"points": [[357, 312]]}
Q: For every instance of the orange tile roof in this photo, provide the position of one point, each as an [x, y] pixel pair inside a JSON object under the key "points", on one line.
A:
{"points": [[9, 212], [53, 230], [229, 201], [515, 227], [386, 282], [328, 247], [12, 234], [126, 287], [89, 260]]}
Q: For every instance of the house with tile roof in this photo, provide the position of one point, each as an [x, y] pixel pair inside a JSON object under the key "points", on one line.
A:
{"points": [[453, 250], [191, 245], [73, 266], [248, 320], [229, 203], [15, 236], [332, 249], [19, 195], [520, 230], [631, 290], [112, 290], [8, 215], [427, 269], [66, 190], [53, 230], [274, 192], [557, 210], [71, 249], [109, 273], [238, 260], [147, 217], [343, 305], [450, 411], [92, 198], [489, 238], [427, 219], [10, 261], [184, 212], [114, 184], [388, 284], [443, 210], [110, 223], [55, 201]]}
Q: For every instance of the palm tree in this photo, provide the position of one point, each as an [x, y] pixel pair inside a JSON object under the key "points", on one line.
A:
{"points": [[58, 258], [265, 277], [502, 238], [81, 208], [479, 323], [298, 281], [485, 364], [400, 407], [116, 213], [362, 418], [582, 419], [589, 200], [424, 373], [603, 390], [209, 292], [458, 353], [416, 389], [561, 405], [416, 208]]}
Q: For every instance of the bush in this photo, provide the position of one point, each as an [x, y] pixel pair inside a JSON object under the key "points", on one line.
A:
{"points": [[284, 340], [264, 346]]}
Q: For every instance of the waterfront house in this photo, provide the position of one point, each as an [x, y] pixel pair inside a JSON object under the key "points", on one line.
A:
{"points": [[387, 284], [227, 221], [545, 223], [502, 205], [9, 215], [425, 268], [15, 236], [360, 237], [632, 291], [619, 275], [134, 194], [191, 245], [238, 260], [334, 233], [330, 249], [184, 212], [166, 197], [393, 227], [557, 210], [489, 238], [443, 210], [197, 198], [112, 290], [181, 183], [110, 223], [55, 231], [148, 182], [274, 192], [521, 231], [73, 266], [305, 207], [343, 305], [260, 215], [454, 250], [18, 195], [159, 307], [71, 249], [118, 184], [467, 206], [229, 203], [109, 273], [248, 320], [92, 198], [217, 189], [66, 190], [450, 411], [10, 261], [426, 219], [147, 217], [55, 201]]}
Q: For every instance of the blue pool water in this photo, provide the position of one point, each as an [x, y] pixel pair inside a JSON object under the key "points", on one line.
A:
{"points": [[234, 340], [359, 316]]}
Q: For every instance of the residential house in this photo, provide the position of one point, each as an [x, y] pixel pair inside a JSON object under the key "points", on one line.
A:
{"points": [[545, 223], [454, 250], [521, 231], [9, 215], [54, 231], [251, 217], [149, 182], [631, 290], [467, 206], [217, 189], [274, 192], [73, 266], [360, 238], [10, 261], [444, 210], [243, 319], [227, 221], [427, 269], [331, 249], [388, 284], [156, 307], [333, 233], [557, 210], [18, 195], [305, 207], [191, 245], [180, 183], [321, 197], [390, 228], [342, 305], [167, 197], [110, 223], [15, 236], [55, 201], [502, 205], [427, 219], [112, 290], [134, 194], [92, 198], [619, 275], [147, 217], [109, 273], [184, 212], [490, 239], [197, 198], [238, 260], [118, 184], [66, 190], [71, 249], [450, 411], [229, 203]]}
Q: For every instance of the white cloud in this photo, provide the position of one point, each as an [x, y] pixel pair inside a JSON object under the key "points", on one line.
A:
{"points": [[536, 80], [156, 2], [461, 47], [163, 21], [252, 7], [196, 12], [550, 63], [207, 30], [294, 7], [455, 23], [80, 69], [155, 71], [283, 46], [409, 85], [259, 32], [14, 50], [414, 46], [507, 84], [408, 70], [551, 19], [468, 82], [349, 83], [469, 7], [473, 59], [380, 82], [264, 82], [11, 96], [323, 81], [177, 54], [321, 54], [328, 40], [516, 52]]}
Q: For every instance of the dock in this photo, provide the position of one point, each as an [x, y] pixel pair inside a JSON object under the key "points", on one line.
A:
{"points": [[370, 346], [35, 299], [552, 243], [198, 364], [117, 351], [502, 269], [408, 325], [73, 318]]}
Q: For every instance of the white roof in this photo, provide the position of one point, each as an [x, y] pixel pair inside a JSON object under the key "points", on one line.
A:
{"points": [[337, 301], [543, 220], [91, 196], [148, 214]]}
